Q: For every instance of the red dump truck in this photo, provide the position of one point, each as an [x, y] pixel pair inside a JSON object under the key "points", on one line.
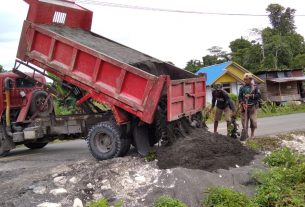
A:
{"points": [[147, 96]]}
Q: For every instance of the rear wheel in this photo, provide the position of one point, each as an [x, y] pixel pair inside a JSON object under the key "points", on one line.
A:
{"points": [[105, 141], [158, 130], [36, 145]]}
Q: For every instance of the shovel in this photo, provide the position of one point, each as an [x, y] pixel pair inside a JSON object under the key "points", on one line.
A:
{"points": [[244, 133]]}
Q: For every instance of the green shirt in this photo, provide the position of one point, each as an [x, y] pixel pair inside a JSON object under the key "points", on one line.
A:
{"points": [[249, 89]]}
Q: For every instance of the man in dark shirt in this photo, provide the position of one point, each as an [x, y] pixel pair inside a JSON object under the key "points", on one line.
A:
{"points": [[224, 104], [249, 96]]}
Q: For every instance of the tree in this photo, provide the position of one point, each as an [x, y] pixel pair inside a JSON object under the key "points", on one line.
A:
{"points": [[281, 19], [246, 53], [216, 56], [278, 46], [239, 44], [2, 70], [193, 65], [215, 50], [209, 60], [299, 61]]}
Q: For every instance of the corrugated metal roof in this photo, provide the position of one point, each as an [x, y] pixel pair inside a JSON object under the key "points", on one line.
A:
{"points": [[214, 71], [282, 80]]}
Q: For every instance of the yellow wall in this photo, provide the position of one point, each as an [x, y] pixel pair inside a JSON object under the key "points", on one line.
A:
{"points": [[238, 75], [225, 78], [236, 71]]}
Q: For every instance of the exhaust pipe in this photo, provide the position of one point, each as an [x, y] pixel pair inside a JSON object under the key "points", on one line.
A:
{"points": [[7, 82]]}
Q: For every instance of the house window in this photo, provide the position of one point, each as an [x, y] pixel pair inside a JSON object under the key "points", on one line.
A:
{"points": [[227, 87]]}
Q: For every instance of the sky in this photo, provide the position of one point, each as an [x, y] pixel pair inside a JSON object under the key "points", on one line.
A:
{"points": [[167, 36]]}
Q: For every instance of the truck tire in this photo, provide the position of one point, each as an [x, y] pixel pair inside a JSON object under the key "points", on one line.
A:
{"points": [[105, 141], [158, 130], [35, 145], [126, 147], [38, 98], [126, 141]]}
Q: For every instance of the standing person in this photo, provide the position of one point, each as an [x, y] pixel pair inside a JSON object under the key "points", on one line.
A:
{"points": [[250, 94], [224, 104]]}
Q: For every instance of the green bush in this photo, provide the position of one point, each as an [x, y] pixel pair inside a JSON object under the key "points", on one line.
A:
{"points": [[99, 203], [282, 185], [103, 203], [270, 108], [233, 97], [278, 185], [281, 158], [225, 197], [151, 156], [166, 201]]}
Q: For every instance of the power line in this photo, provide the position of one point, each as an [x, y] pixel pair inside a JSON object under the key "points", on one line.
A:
{"points": [[126, 6]]}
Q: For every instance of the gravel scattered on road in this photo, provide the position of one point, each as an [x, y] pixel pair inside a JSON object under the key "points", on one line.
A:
{"points": [[297, 143]]}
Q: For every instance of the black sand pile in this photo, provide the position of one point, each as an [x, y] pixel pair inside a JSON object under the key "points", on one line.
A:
{"points": [[204, 150]]}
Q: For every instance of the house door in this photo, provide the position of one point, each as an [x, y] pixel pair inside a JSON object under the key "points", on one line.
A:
{"points": [[227, 87]]}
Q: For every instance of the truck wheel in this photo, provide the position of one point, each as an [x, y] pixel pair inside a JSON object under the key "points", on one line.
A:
{"points": [[158, 130], [105, 141], [38, 98], [36, 145], [126, 141], [126, 147]]}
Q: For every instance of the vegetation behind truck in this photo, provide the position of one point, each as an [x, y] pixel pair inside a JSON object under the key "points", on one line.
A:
{"points": [[148, 98]]}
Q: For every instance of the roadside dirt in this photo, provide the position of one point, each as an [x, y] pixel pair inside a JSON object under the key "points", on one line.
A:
{"points": [[220, 161], [203, 150], [129, 179]]}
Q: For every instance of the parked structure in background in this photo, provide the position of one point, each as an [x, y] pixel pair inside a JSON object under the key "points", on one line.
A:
{"points": [[229, 74], [283, 85]]}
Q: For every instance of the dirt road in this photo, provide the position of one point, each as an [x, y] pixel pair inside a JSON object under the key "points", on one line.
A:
{"points": [[273, 125]]}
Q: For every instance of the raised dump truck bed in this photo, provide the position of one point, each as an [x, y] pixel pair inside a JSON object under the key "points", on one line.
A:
{"points": [[110, 72], [56, 37]]}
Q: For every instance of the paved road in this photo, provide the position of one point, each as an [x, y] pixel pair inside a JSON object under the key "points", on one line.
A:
{"points": [[49, 156], [69, 151], [274, 125]]}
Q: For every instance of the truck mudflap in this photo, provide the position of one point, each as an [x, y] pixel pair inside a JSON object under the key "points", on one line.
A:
{"points": [[185, 97]]}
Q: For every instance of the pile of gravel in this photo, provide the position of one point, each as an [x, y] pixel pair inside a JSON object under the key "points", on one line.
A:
{"points": [[206, 151]]}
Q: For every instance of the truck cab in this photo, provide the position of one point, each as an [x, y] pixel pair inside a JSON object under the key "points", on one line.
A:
{"points": [[20, 91], [20, 100]]}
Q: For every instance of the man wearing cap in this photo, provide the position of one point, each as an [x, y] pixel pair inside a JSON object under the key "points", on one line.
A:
{"points": [[249, 96], [224, 104]]}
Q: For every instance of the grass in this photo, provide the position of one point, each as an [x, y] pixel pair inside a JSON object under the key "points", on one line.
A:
{"points": [[103, 203], [151, 156], [221, 197], [270, 109], [282, 185], [167, 201]]}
